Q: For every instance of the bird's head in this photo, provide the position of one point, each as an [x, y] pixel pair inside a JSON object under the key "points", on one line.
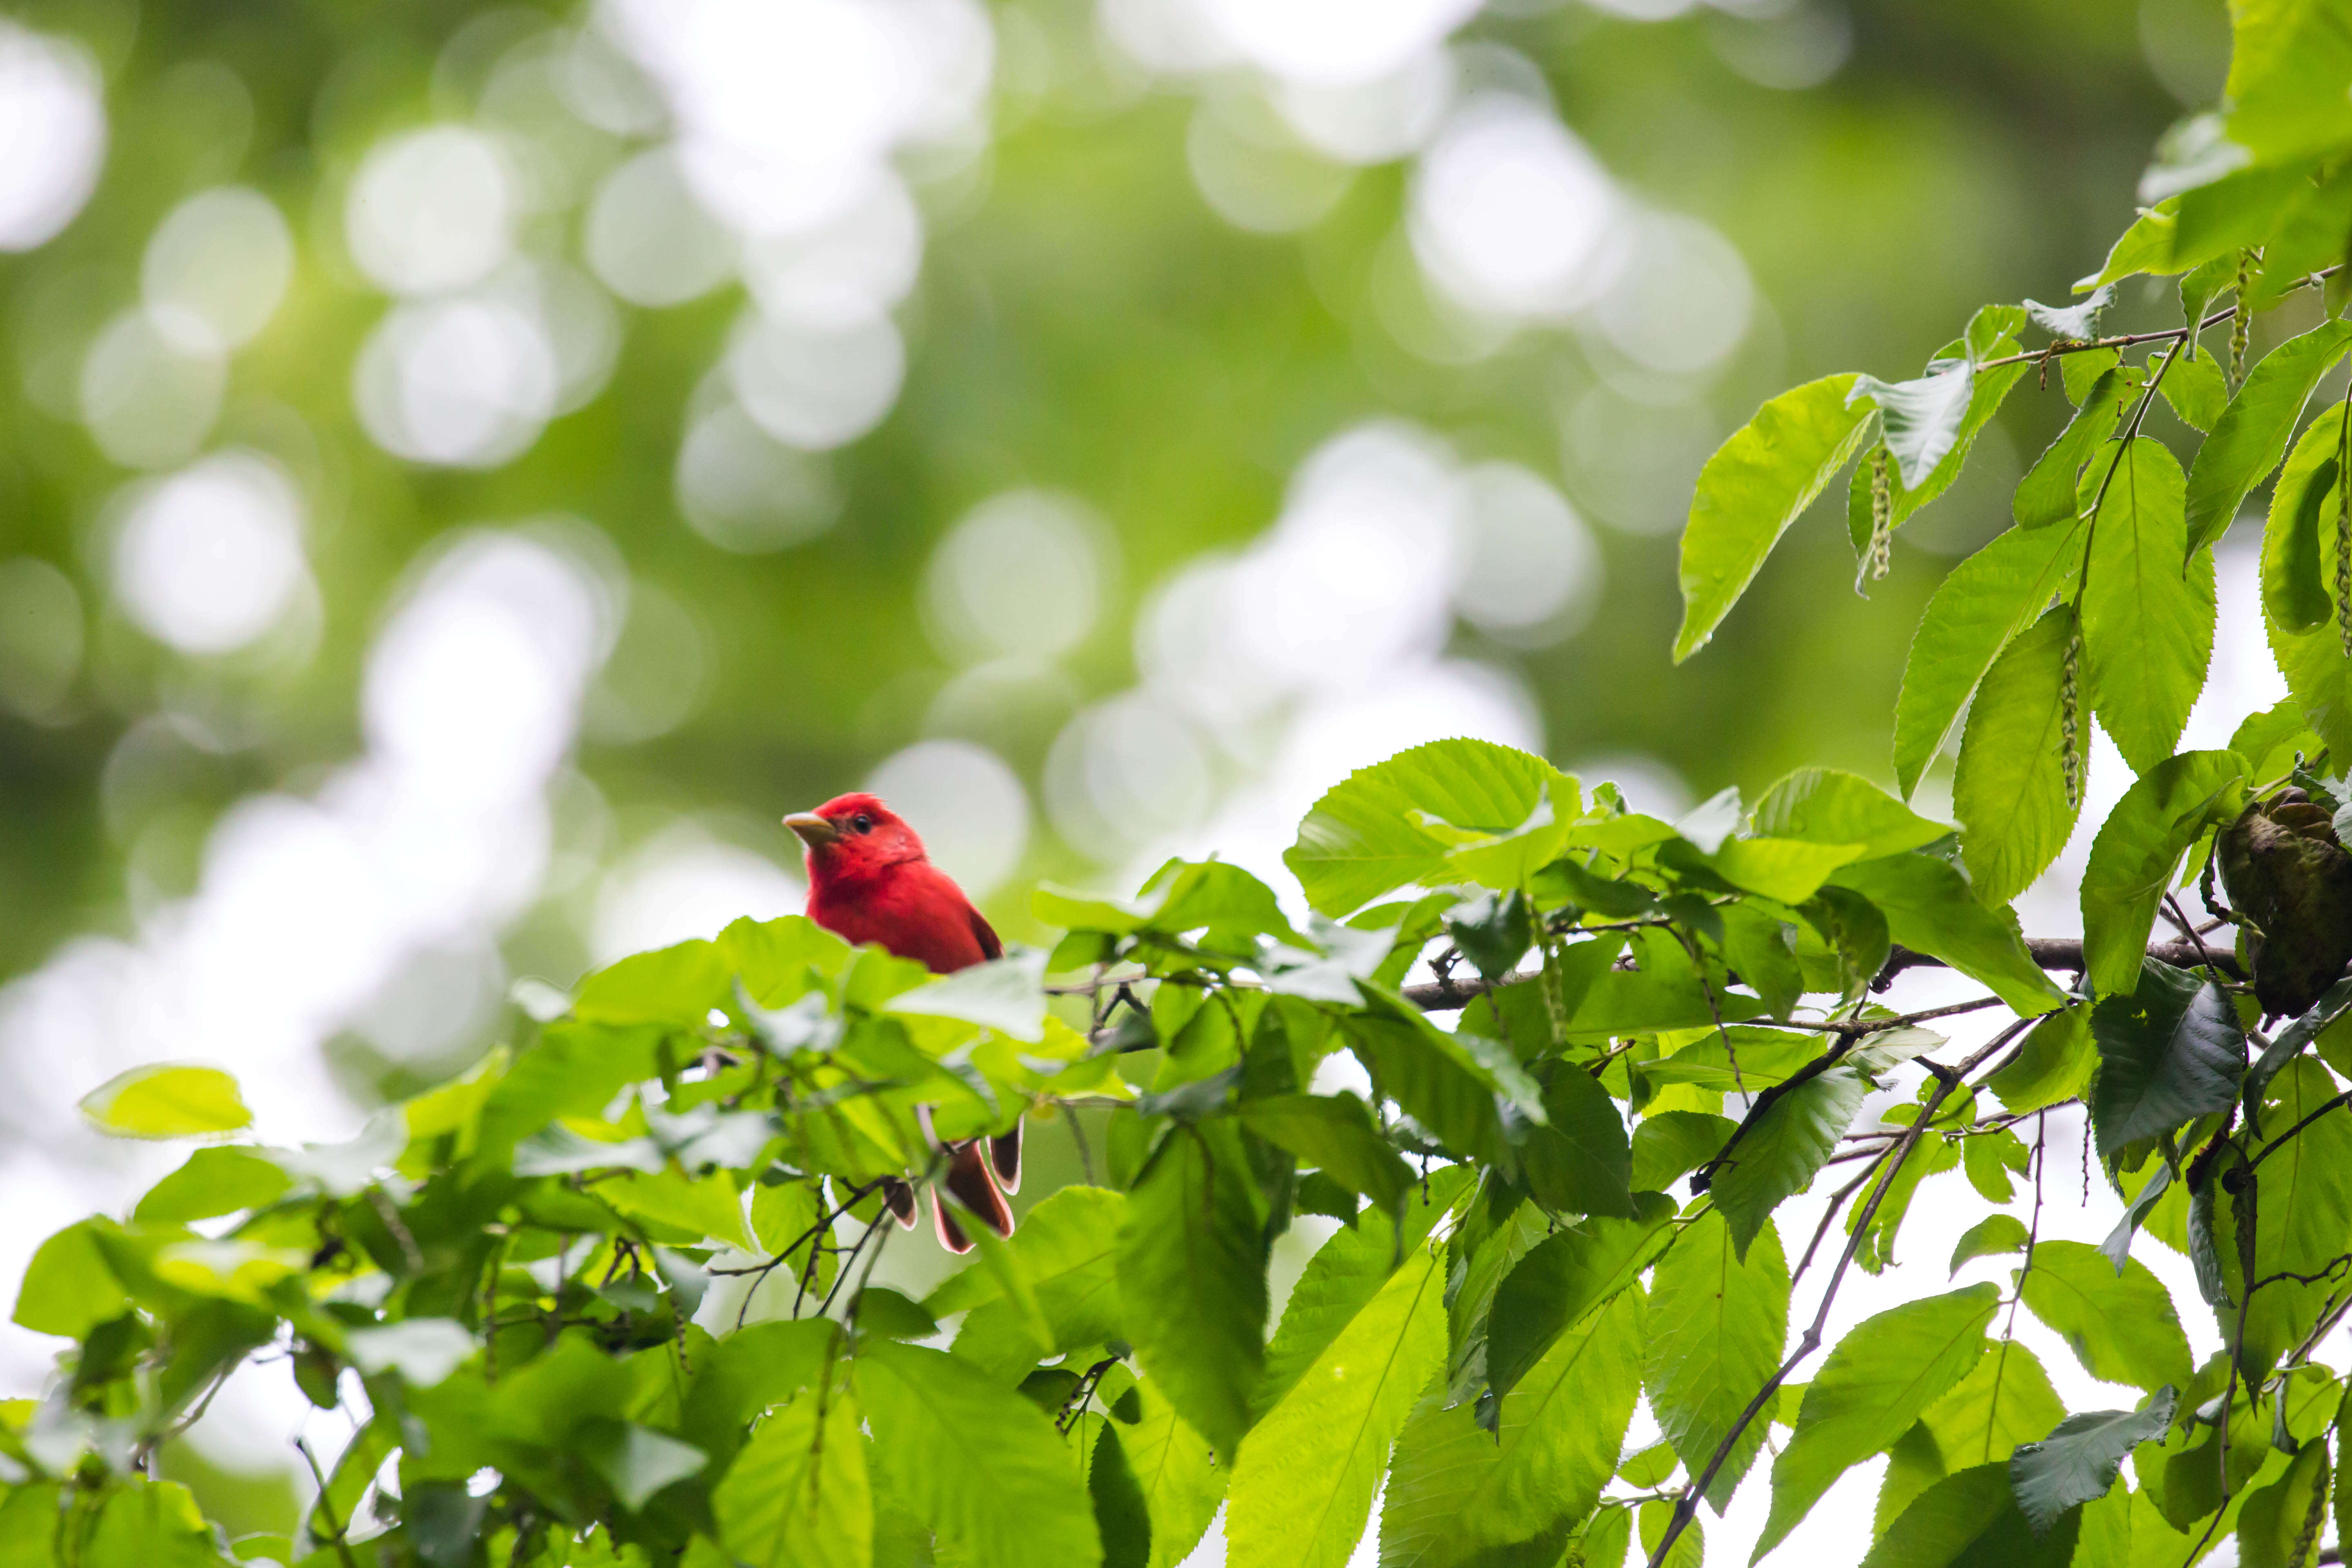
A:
{"points": [[854, 835]]}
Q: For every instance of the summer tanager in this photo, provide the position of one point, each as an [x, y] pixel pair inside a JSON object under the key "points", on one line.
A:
{"points": [[869, 881]]}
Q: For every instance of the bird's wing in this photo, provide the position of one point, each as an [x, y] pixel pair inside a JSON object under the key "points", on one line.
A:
{"points": [[985, 934]]}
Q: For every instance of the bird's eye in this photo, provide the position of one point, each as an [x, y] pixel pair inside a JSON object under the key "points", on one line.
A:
{"points": [[862, 823]]}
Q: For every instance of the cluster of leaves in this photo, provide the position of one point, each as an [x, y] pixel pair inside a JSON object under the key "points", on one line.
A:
{"points": [[608, 1299]]}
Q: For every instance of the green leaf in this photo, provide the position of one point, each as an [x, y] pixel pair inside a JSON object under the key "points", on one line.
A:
{"points": [[797, 1492], [2009, 793], [1752, 488], [1191, 1279], [976, 1461], [167, 1101], [1493, 932], [1717, 1323], [1880, 1379], [1986, 600], [1335, 1134], [2295, 598], [2075, 322], [2122, 1326], [2290, 98], [1122, 1515], [1460, 1494], [2080, 1459], [1784, 1149], [1825, 806], [1362, 838], [1007, 995], [1303, 1484], [145, 1524], [1066, 1253], [2051, 490], [1581, 1160], [2148, 626], [2279, 1525], [2303, 1220], [1562, 1279], [69, 1289], [702, 1206], [424, 1350], [1787, 870], [1670, 1143], [2145, 246], [2138, 848], [216, 1181], [1989, 1237], [1176, 1470], [2197, 390], [678, 984], [1920, 418], [2250, 435], [2310, 657], [1970, 1519], [2005, 1400], [637, 1461], [2169, 1052]]}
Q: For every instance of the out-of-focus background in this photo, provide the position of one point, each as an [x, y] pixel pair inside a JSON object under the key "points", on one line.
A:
{"points": [[466, 470]]}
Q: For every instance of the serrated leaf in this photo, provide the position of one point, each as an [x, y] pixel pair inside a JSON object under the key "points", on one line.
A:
{"points": [[2279, 1525], [1986, 600], [1971, 1519], [2250, 435], [1825, 806], [2010, 792], [2333, 1004], [2051, 491], [1303, 1485], [167, 1100], [1335, 1134], [1176, 1470], [2122, 1326], [1460, 1494], [2071, 322], [2303, 1219], [1564, 1278], [1362, 838], [2169, 1052], [2138, 848], [1756, 484], [2197, 390], [1064, 1252], [1880, 1379], [2310, 656], [2005, 1400], [1717, 1323], [2148, 626], [2080, 1459], [976, 1461], [1931, 908], [1191, 1279], [1783, 1149], [1670, 1143], [1580, 1161]]}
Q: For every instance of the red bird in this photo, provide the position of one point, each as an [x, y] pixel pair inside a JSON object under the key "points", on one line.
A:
{"points": [[869, 881]]}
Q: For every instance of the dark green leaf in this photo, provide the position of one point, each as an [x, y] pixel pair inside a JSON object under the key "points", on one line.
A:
{"points": [[2333, 1004], [1880, 1379], [2080, 1460], [2279, 1525], [2169, 1052], [1971, 1521], [2293, 598], [1670, 1143], [2311, 658], [1493, 932], [2303, 1217], [1783, 1149], [1335, 1134], [2250, 435], [2011, 793], [2148, 626], [1716, 1326], [2122, 1327], [1756, 484], [1563, 1279], [2005, 1400], [1191, 1279], [1122, 1513], [1581, 1161], [2137, 851]]}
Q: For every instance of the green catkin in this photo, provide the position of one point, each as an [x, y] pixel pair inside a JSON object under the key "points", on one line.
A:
{"points": [[2070, 757], [2344, 534], [2241, 325], [1878, 556]]}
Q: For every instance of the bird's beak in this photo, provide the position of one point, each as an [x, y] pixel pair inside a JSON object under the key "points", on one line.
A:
{"points": [[813, 830]]}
